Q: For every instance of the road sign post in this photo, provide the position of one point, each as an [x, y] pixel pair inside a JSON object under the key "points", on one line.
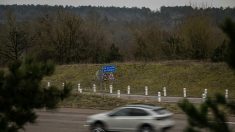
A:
{"points": [[105, 76]]}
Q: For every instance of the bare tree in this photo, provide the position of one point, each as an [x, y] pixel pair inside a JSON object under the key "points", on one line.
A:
{"points": [[14, 41], [199, 33]]}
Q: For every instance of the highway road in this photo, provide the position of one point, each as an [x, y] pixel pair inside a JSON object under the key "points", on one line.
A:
{"points": [[154, 98], [73, 120]]}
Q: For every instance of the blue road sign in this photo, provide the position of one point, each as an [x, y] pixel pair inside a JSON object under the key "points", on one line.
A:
{"points": [[108, 69]]}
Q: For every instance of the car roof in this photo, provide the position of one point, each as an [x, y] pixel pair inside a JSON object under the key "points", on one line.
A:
{"points": [[144, 106]]}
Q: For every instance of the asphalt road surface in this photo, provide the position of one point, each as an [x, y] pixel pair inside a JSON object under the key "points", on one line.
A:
{"points": [[73, 120], [155, 98]]}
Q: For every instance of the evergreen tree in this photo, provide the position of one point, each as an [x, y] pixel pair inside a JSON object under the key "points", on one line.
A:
{"points": [[229, 29], [209, 116], [114, 54], [219, 53], [21, 92]]}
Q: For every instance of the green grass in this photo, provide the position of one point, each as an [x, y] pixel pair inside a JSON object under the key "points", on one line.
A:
{"points": [[175, 75], [92, 101]]}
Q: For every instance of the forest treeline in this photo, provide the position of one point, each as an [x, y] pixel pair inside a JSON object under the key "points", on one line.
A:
{"points": [[108, 34]]}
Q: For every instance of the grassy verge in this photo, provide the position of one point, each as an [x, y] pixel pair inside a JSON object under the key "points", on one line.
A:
{"points": [[175, 75], [91, 101]]}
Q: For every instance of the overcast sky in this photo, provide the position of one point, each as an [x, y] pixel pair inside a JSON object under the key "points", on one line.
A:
{"points": [[152, 4]]}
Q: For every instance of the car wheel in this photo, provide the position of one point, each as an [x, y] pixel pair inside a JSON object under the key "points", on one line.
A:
{"points": [[98, 127], [146, 128]]}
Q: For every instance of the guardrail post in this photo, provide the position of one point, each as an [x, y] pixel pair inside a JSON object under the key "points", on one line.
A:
{"points": [[48, 84], [203, 97], [226, 93], [159, 96], [185, 93], [110, 88], [146, 90], [118, 93], [164, 91], [94, 88], [205, 92], [79, 87], [128, 89]]}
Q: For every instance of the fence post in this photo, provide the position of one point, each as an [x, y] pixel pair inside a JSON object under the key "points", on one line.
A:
{"points": [[48, 84], [128, 89], [164, 91], [146, 90], [159, 96], [118, 93], [205, 92], [110, 88], [203, 97], [79, 87], [185, 93], [226, 93], [94, 88]]}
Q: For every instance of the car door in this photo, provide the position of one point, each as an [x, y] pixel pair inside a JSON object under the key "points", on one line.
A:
{"points": [[127, 119], [117, 121], [137, 117]]}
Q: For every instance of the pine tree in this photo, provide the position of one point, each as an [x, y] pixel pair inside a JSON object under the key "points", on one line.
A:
{"points": [[229, 29], [199, 118], [210, 115], [21, 92], [114, 54]]}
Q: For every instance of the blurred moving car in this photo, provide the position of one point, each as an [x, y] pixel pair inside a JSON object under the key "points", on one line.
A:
{"points": [[140, 118]]}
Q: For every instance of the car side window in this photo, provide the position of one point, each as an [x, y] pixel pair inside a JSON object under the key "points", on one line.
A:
{"points": [[122, 112], [138, 112], [161, 111]]}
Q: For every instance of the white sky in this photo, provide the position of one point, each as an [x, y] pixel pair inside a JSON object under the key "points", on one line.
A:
{"points": [[152, 4]]}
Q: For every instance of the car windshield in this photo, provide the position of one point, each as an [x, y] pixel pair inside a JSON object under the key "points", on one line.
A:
{"points": [[161, 111]]}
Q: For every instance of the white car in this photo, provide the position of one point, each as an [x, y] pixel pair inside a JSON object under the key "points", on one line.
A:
{"points": [[139, 118]]}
